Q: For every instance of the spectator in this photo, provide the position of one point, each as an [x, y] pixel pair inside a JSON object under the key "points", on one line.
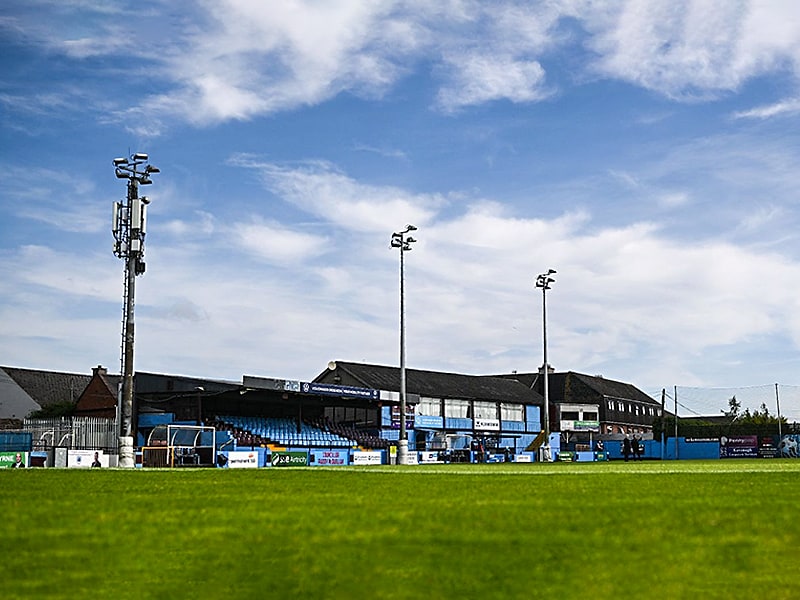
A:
{"points": [[635, 447]]}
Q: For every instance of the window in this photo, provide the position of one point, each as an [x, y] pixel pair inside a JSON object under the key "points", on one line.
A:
{"points": [[512, 412], [570, 415], [456, 409], [485, 410], [430, 407], [590, 416]]}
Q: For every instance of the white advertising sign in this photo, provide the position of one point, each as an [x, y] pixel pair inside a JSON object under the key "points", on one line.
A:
{"points": [[366, 458], [487, 424], [242, 459], [429, 457], [86, 459]]}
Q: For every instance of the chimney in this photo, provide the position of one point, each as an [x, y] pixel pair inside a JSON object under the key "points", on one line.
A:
{"points": [[99, 370]]}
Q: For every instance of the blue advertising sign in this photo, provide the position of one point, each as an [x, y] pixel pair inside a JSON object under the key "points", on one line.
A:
{"points": [[745, 446], [329, 389], [425, 421]]}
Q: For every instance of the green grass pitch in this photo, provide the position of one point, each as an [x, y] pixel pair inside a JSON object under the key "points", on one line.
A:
{"points": [[716, 529]]}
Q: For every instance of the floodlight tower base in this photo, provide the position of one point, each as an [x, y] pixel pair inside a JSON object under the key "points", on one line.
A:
{"points": [[126, 455], [402, 452]]}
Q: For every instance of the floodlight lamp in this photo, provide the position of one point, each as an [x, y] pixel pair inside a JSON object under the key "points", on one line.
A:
{"points": [[551, 271], [121, 174], [410, 240], [152, 169], [396, 243], [410, 228], [120, 161], [145, 200], [550, 280], [145, 181], [140, 156]]}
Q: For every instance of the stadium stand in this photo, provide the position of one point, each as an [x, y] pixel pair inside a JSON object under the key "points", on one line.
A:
{"points": [[258, 431]]}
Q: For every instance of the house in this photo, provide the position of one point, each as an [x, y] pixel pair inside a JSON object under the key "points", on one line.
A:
{"points": [[99, 398], [23, 391]]}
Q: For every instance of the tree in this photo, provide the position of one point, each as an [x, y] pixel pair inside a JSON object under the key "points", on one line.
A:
{"points": [[57, 409], [735, 406]]}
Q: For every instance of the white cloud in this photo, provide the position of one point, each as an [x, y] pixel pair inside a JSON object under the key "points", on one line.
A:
{"points": [[693, 48], [477, 78], [624, 294], [277, 244], [319, 189], [784, 108], [234, 60]]}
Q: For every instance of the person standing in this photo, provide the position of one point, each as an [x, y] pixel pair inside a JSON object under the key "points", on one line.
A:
{"points": [[626, 448], [636, 448]]}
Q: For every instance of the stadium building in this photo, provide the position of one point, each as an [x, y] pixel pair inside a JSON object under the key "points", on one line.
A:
{"points": [[348, 408], [590, 404]]}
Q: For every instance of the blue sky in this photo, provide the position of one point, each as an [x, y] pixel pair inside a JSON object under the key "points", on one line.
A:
{"points": [[648, 151]]}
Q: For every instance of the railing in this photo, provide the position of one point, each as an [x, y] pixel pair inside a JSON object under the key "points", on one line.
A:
{"points": [[75, 433]]}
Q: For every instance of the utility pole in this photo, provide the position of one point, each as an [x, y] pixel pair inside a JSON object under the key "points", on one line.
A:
{"points": [[128, 226]]}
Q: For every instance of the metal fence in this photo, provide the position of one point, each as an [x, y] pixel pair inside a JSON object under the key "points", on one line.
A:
{"points": [[75, 433]]}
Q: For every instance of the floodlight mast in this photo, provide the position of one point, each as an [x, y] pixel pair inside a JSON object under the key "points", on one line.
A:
{"points": [[543, 281], [128, 227], [403, 244]]}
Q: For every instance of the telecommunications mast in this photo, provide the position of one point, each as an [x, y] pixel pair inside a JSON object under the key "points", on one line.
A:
{"points": [[128, 226]]}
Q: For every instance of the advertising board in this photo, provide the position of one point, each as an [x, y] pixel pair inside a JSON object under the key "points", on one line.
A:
{"points": [[330, 458], [13, 460], [242, 459], [487, 424], [86, 459], [367, 458], [745, 446], [289, 459]]}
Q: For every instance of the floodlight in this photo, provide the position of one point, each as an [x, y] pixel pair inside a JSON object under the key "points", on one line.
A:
{"points": [[120, 161], [140, 156], [152, 169], [410, 228], [410, 240], [121, 174]]}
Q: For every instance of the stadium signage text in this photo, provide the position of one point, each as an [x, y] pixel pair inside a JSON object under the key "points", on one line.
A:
{"points": [[487, 424], [289, 459], [331, 457], [580, 425], [239, 459], [745, 446], [367, 458], [328, 389]]}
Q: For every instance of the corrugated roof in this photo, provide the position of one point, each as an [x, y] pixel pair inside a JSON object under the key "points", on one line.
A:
{"points": [[602, 386], [436, 384]]}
